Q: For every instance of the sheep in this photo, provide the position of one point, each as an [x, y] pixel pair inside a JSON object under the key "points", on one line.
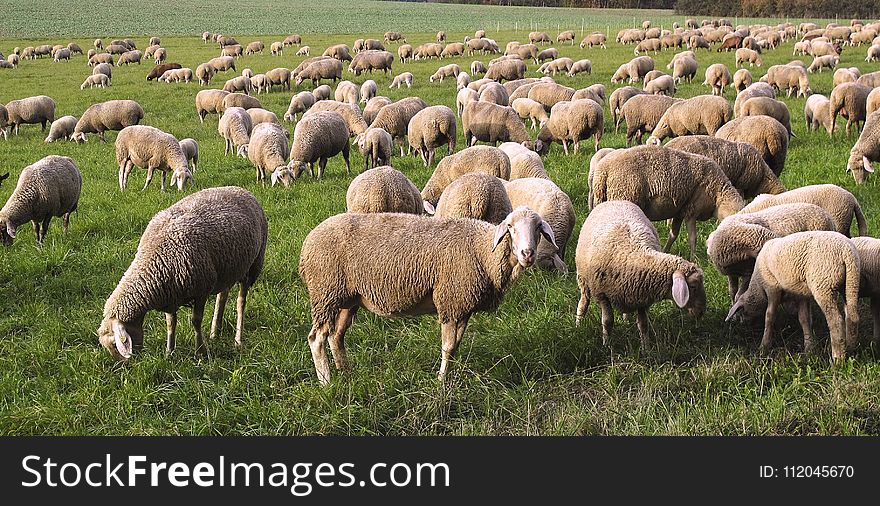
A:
{"points": [[118, 49], [394, 118], [567, 35], [548, 200], [430, 50], [663, 85], [846, 75], [431, 128], [865, 150], [259, 115], [279, 76], [384, 190], [241, 84], [368, 90], [489, 122], [347, 91], [867, 247], [620, 264], [594, 39], [562, 65], [849, 99], [744, 54], [485, 159], [464, 97], [827, 264], [160, 55], [651, 76], [235, 127], [376, 146], [190, 148], [666, 184], [302, 51], [74, 48], [405, 52], [204, 72], [634, 70], [840, 204], [649, 44], [234, 51], [371, 60], [549, 94], [268, 149], [129, 57], [95, 80], [339, 52], [873, 102], [462, 81], [99, 44], [820, 62], [767, 134], [255, 47], [374, 105], [61, 54], [817, 112], [222, 63], [717, 78], [299, 103], [349, 112], [619, 97], [322, 92], [873, 53], [321, 69], [684, 68], [475, 195], [524, 163], [451, 70], [62, 128], [210, 102], [210, 240], [157, 71], [292, 39], [547, 54], [571, 122], [579, 67], [741, 162], [13, 60], [742, 79], [643, 114], [30, 111], [317, 137], [788, 77], [441, 36], [703, 114], [495, 93], [478, 67], [224, 41], [527, 108], [452, 49], [768, 107], [735, 244], [698, 42], [507, 70], [177, 75], [823, 48], [150, 148], [48, 188], [401, 79], [871, 79], [484, 262]]}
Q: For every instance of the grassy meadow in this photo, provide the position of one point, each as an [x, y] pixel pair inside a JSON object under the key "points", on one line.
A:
{"points": [[525, 369]]}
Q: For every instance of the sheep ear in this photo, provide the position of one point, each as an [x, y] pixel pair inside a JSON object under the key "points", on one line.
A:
{"points": [[274, 178], [429, 208], [501, 230], [547, 232], [680, 292], [867, 164], [559, 264], [122, 339], [734, 309], [10, 230]]}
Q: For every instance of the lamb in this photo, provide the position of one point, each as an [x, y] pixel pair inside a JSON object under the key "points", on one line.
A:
{"points": [[642, 114], [827, 264], [840, 204], [488, 122], [190, 148], [684, 68], [235, 127], [579, 67], [268, 150], [401, 79], [109, 115], [767, 134], [478, 67], [157, 71], [302, 51], [299, 103], [485, 159], [347, 91], [50, 187], [735, 244], [527, 108], [666, 184], [321, 69], [594, 39], [475, 195], [322, 92], [317, 137], [741, 162], [259, 115], [394, 118], [634, 70], [495, 93], [768, 107], [865, 150], [209, 240], [374, 105], [429, 129], [30, 111], [62, 128], [524, 163], [95, 81], [484, 261], [619, 263], [820, 62], [619, 97], [451, 70], [507, 70], [464, 97], [548, 200], [817, 111], [462, 81], [241, 84], [717, 78], [384, 190], [572, 122], [368, 90], [150, 148], [405, 52], [663, 85], [742, 79], [703, 114], [349, 112], [209, 102], [849, 99]]}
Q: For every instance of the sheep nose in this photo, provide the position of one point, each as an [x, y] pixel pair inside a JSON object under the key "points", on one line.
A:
{"points": [[528, 254]]}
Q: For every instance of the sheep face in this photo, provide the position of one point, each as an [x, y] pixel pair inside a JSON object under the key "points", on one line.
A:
{"points": [[78, 137], [7, 232], [860, 169], [282, 175], [297, 168], [119, 338], [688, 292], [4, 177], [180, 177], [524, 227]]}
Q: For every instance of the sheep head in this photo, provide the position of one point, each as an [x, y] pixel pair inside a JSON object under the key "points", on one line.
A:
{"points": [[180, 177], [120, 338], [860, 168], [282, 174], [525, 228], [688, 291], [7, 232], [4, 177], [297, 168]]}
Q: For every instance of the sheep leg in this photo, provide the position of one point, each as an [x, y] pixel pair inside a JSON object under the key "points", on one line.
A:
{"points": [[37, 230], [219, 307], [431, 157], [345, 153], [122, 175], [171, 330], [149, 178], [164, 177], [773, 297], [129, 166], [452, 332], [607, 319], [733, 287], [875, 315], [828, 305], [337, 339], [317, 338], [642, 322], [322, 164], [806, 320], [240, 303], [197, 316], [565, 146], [66, 222], [583, 303], [692, 235], [674, 227]]}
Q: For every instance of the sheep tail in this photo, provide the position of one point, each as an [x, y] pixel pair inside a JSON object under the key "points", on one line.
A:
{"points": [[860, 220]]}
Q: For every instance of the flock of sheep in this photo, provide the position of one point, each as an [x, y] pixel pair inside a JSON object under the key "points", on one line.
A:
{"points": [[495, 209]]}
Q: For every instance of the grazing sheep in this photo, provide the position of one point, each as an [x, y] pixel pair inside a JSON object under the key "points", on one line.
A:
{"points": [[619, 97], [579, 67], [485, 159], [619, 263], [873, 101], [666, 184], [222, 63], [462, 81], [742, 79], [48, 188], [735, 244], [817, 112], [840, 204], [489, 122], [321, 69], [370, 60], [62, 128], [401, 79], [634, 70], [871, 80], [524, 163], [873, 53], [703, 114], [566, 36], [744, 54], [475, 195], [160, 55], [820, 62], [255, 47], [549, 94], [368, 90], [506, 70], [259, 115], [317, 137], [441, 36], [30, 111], [461, 265], [865, 150], [394, 118], [349, 112], [210, 102], [374, 105], [302, 51], [405, 52], [95, 81], [235, 127], [717, 78], [293, 39], [452, 49], [299, 103], [850, 100], [451, 70], [61, 54], [527, 108], [464, 97], [684, 68], [204, 72], [190, 148], [571, 122], [806, 265], [150, 148], [322, 92], [384, 190], [478, 67], [177, 75], [339, 52], [99, 44], [495, 93], [428, 51], [594, 39], [649, 44], [768, 107], [662, 85], [547, 54], [788, 77], [241, 84], [233, 51], [376, 146], [846, 75], [869, 252], [157, 71], [348, 92], [561, 65], [766, 134], [548, 200], [429, 129], [278, 77], [268, 150], [642, 114], [129, 57], [759, 89], [209, 240]]}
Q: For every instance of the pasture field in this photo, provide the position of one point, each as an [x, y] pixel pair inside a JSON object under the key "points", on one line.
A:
{"points": [[525, 369]]}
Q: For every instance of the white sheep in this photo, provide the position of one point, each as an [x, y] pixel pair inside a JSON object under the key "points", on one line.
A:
{"points": [[401, 79], [190, 149], [235, 127], [571, 122], [475, 195], [30, 111], [62, 128], [840, 204], [376, 146], [318, 137], [486, 159], [268, 150], [106, 116], [430, 128], [524, 163], [554, 205], [299, 103], [865, 150], [150, 148], [368, 90], [384, 190]]}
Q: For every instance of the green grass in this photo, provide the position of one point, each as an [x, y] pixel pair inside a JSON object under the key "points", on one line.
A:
{"points": [[525, 369]]}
